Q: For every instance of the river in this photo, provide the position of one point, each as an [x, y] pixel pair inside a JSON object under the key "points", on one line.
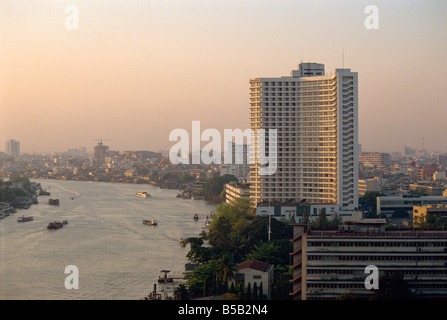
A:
{"points": [[116, 255]]}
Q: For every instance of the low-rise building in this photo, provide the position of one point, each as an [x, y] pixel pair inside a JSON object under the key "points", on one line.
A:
{"points": [[235, 191], [420, 212], [255, 272], [387, 205], [301, 212], [330, 263], [369, 185]]}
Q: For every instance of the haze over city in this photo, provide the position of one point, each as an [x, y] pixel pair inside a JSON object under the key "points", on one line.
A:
{"points": [[135, 70]]}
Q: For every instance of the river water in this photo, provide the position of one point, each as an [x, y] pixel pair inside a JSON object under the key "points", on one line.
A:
{"points": [[117, 256]]}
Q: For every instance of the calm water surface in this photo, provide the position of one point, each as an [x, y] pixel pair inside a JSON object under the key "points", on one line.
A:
{"points": [[118, 257]]}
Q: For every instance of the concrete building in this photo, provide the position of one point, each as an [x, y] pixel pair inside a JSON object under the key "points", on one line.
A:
{"points": [[13, 148], [299, 212], [330, 263], [369, 185], [100, 152], [316, 118], [389, 204], [426, 172], [239, 167], [255, 272], [235, 191], [420, 212], [378, 159], [428, 188]]}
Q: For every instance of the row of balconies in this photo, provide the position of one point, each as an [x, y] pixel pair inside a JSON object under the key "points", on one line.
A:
{"points": [[375, 249]]}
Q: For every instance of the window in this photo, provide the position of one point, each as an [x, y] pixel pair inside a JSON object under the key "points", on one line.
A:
{"points": [[240, 278]]}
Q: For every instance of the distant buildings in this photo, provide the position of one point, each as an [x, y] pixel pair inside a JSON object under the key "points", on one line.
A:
{"points": [[389, 204], [420, 212], [100, 152], [239, 167], [316, 119], [378, 159], [13, 147], [369, 185]]}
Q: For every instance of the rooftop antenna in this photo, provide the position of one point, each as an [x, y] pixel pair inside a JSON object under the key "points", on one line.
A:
{"points": [[343, 58]]}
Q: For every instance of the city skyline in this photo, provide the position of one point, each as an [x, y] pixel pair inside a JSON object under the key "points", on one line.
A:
{"points": [[134, 71]]}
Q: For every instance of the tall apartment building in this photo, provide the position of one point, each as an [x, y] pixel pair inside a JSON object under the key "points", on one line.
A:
{"points": [[13, 147], [316, 118], [239, 166]]}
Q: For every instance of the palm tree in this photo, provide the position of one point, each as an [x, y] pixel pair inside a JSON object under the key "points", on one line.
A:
{"points": [[225, 269]]}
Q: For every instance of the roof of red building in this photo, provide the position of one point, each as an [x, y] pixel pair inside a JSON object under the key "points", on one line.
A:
{"points": [[256, 265]]}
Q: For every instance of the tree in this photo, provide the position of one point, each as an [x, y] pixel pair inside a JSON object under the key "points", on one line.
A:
{"points": [[430, 220], [322, 220], [369, 202], [281, 285], [182, 292], [202, 279], [248, 293], [225, 269], [255, 291], [215, 185], [24, 180], [197, 253], [275, 252], [9, 194], [261, 295]]}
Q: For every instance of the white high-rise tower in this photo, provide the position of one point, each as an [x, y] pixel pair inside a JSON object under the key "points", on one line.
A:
{"points": [[316, 118]]}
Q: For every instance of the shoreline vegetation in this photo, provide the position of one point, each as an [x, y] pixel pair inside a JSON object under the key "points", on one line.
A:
{"points": [[235, 236], [211, 189]]}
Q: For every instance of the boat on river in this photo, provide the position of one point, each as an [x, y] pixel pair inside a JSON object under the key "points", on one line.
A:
{"points": [[24, 219], [143, 194], [196, 217], [150, 222], [54, 202], [44, 193], [55, 225]]}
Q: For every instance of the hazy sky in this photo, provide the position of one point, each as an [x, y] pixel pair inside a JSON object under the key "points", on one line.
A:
{"points": [[135, 70]]}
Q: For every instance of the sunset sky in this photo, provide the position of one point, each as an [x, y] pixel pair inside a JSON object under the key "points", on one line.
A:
{"points": [[135, 70]]}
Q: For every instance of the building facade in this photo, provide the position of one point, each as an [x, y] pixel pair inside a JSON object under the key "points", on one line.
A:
{"points": [[330, 263], [13, 148], [378, 159], [420, 212], [316, 118], [369, 185], [251, 272], [239, 167], [235, 191], [387, 205]]}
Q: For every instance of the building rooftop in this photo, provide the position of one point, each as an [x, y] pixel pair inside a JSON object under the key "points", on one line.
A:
{"points": [[256, 265]]}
